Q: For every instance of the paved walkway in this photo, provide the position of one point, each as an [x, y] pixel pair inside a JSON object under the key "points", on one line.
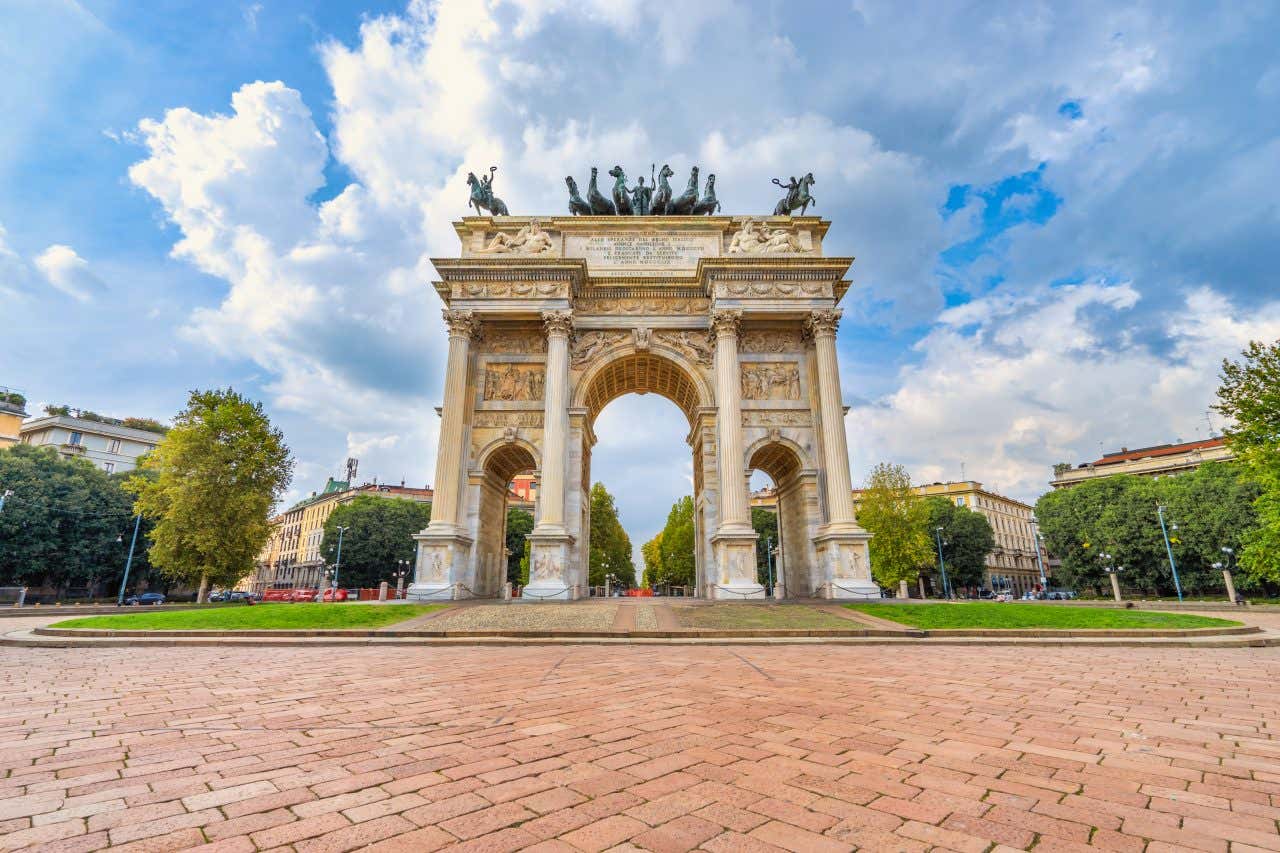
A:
{"points": [[730, 749]]}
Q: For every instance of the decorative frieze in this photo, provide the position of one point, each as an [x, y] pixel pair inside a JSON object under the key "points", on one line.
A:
{"points": [[776, 418], [772, 341], [514, 342], [771, 289], [504, 420], [637, 306], [510, 289], [764, 380], [510, 381]]}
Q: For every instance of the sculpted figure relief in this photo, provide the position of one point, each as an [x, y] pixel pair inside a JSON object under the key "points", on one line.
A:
{"points": [[750, 240], [514, 342], [693, 344], [529, 240], [589, 344], [770, 381], [513, 382], [770, 340], [546, 569]]}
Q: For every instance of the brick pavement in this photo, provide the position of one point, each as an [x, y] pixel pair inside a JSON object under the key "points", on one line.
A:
{"points": [[675, 748]]}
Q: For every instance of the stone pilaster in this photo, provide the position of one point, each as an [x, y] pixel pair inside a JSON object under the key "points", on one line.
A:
{"points": [[443, 546], [550, 552], [841, 543], [734, 540]]}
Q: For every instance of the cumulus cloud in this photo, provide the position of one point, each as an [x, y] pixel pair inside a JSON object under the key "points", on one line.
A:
{"points": [[68, 272], [1010, 384]]}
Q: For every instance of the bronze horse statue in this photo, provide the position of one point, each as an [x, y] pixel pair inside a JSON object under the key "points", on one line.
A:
{"points": [[797, 196], [662, 197], [482, 196]]}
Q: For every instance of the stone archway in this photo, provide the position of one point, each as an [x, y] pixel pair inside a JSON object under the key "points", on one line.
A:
{"points": [[742, 341], [497, 465]]}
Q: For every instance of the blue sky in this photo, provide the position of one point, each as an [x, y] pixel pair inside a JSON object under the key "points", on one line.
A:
{"points": [[1063, 218]]}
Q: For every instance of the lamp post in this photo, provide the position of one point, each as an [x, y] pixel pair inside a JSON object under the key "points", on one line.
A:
{"points": [[768, 560], [401, 570], [942, 564], [1177, 584], [1226, 574], [1114, 573], [1035, 543], [338, 564], [124, 582]]}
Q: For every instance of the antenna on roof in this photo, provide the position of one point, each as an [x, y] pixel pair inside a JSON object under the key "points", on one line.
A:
{"points": [[962, 472], [353, 465], [1209, 420]]}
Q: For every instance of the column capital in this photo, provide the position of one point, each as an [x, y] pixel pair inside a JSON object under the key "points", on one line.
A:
{"points": [[461, 323], [822, 322], [726, 321], [557, 322]]}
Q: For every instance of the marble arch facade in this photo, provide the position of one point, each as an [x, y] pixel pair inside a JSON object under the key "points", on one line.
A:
{"points": [[742, 341]]}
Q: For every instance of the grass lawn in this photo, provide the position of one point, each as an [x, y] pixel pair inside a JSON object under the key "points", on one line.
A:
{"points": [[728, 616], [989, 614], [284, 617]]}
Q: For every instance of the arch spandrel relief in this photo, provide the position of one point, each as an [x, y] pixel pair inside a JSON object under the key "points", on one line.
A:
{"points": [[727, 316]]}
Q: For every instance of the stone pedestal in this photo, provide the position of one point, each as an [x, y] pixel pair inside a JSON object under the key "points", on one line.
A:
{"points": [[842, 549], [442, 558], [736, 563], [549, 575]]}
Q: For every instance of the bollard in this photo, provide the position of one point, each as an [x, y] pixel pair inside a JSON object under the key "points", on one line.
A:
{"points": [[1115, 586], [904, 591], [382, 591], [1231, 587]]}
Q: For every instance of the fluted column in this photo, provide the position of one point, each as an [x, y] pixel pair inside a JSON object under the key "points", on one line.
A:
{"points": [[555, 433], [444, 505], [822, 325], [734, 513]]}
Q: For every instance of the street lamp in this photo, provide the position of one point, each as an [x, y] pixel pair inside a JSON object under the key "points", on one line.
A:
{"points": [[1226, 573], [338, 563], [401, 570], [1177, 584], [1113, 572], [124, 581], [946, 585], [1036, 539]]}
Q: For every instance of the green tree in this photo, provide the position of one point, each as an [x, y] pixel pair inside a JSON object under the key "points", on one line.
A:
{"points": [[1250, 396], [652, 553], [895, 516], [765, 523], [967, 539], [519, 525], [379, 532], [1211, 507], [216, 475], [677, 546], [60, 527], [610, 545]]}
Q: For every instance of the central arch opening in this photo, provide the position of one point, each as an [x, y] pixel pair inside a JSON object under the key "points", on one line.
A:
{"points": [[632, 446], [779, 490]]}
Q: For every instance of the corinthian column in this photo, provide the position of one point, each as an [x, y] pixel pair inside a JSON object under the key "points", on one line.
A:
{"points": [[444, 505], [821, 325], [733, 485], [555, 434]]}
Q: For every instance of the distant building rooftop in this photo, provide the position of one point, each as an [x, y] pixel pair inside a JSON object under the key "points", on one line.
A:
{"points": [[1158, 460]]}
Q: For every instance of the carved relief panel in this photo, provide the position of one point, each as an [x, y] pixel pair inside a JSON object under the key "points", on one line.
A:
{"points": [[514, 342], [772, 341], [770, 380], [514, 381]]}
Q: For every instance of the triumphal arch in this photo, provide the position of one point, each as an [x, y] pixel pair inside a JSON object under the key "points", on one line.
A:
{"points": [[731, 318]]}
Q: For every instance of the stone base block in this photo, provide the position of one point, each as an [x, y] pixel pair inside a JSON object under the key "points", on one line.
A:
{"points": [[735, 576], [549, 578], [853, 589], [441, 563], [846, 559], [743, 592], [430, 592]]}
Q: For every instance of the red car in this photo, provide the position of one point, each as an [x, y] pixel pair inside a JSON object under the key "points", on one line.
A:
{"points": [[328, 595]]}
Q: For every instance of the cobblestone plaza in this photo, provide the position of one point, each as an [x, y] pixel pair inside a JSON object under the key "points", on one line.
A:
{"points": [[669, 748]]}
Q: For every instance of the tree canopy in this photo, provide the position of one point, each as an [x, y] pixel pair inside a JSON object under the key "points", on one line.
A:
{"points": [[1206, 510], [967, 539], [897, 519], [519, 525], [379, 532], [651, 551], [765, 524], [610, 545], [675, 563], [60, 526], [209, 486], [1250, 396]]}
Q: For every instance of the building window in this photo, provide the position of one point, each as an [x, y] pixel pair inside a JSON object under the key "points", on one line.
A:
{"points": [[960, 501], [76, 439], [109, 467], [114, 446]]}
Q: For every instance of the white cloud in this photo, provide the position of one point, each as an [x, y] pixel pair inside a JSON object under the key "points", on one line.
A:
{"points": [[68, 272], [1009, 385]]}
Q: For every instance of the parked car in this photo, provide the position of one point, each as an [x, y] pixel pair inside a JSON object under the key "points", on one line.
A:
{"points": [[238, 595], [327, 595], [1060, 595], [145, 598], [220, 595]]}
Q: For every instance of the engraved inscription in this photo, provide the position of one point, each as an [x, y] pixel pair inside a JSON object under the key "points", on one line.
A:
{"points": [[640, 252]]}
